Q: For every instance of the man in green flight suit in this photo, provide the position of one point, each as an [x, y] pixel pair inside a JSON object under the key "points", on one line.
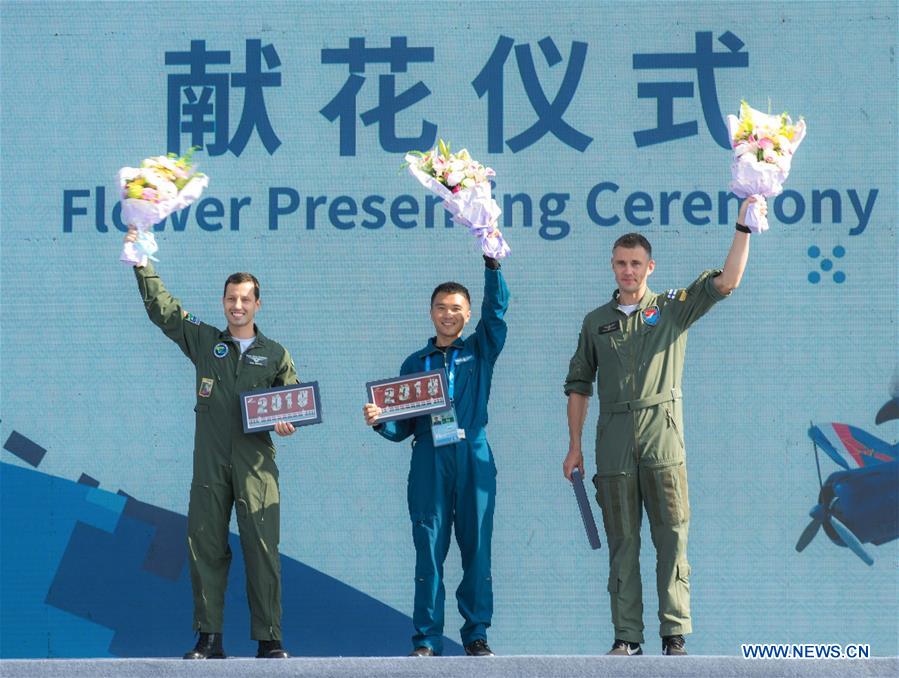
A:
{"points": [[633, 347], [230, 467]]}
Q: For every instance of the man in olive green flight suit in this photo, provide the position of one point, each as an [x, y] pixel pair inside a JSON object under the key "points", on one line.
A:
{"points": [[633, 347], [230, 467]]}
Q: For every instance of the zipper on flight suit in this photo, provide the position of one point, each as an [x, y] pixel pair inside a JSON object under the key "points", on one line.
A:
{"points": [[633, 413], [239, 356]]}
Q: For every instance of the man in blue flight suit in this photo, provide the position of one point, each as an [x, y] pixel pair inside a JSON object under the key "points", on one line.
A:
{"points": [[454, 484]]}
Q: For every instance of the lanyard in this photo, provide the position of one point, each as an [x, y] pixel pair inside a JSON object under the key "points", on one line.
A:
{"points": [[451, 372]]}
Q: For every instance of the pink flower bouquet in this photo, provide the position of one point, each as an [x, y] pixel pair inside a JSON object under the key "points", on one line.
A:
{"points": [[763, 151], [464, 185], [160, 186]]}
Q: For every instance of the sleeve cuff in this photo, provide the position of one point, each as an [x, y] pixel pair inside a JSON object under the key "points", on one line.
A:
{"points": [[583, 388]]}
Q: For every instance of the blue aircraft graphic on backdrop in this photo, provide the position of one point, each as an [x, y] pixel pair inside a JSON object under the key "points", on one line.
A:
{"points": [[858, 504]]}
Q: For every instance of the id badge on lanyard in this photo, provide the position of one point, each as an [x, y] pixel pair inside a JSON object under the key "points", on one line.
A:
{"points": [[444, 426]]}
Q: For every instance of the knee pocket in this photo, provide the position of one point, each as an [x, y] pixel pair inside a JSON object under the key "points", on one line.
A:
{"points": [[424, 536], [666, 493], [259, 504], [618, 498]]}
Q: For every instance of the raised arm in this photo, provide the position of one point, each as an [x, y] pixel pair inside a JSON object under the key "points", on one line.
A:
{"points": [[491, 330], [735, 264], [164, 310]]}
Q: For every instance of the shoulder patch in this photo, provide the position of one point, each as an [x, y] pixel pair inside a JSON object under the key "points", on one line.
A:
{"points": [[651, 315], [192, 319], [682, 296]]}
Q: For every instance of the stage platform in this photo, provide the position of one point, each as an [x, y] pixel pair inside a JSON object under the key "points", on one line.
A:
{"points": [[452, 667]]}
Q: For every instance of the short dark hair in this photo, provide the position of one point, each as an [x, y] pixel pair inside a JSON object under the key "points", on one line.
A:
{"points": [[631, 240], [237, 278], [450, 288]]}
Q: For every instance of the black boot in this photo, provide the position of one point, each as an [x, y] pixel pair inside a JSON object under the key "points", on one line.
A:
{"points": [[673, 645], [209, 646], [478, 648], [271, 649]]}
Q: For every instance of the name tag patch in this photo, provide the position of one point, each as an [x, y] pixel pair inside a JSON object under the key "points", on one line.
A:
{"points": [[257, 360], [611, 327]]}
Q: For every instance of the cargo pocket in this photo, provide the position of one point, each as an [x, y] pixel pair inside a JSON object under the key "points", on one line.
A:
{"points": [[665, 489], [682, 589], [424, 535], [672, 426], [613, 587], [617, 497]]}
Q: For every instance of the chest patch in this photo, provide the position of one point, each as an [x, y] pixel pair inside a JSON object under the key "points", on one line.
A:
{"points": [[257, 360], [464, 359], [220, 350], [651, 315], [611, 327]]}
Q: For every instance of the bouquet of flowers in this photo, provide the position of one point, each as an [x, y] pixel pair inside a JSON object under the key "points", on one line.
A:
{"points": [[763, 151], [151, 192], [463, 183]]}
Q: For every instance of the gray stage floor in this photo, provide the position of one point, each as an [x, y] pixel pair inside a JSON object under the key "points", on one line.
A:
{"points": [[461, 667]]}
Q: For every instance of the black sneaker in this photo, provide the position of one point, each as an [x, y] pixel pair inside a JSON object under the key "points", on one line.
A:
{"points": [[271, 649], [478, 648], [625, 649], [673, 645], [209, 646]]}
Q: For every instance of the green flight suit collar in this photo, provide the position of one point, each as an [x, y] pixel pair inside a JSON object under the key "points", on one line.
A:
{"points": [[648, 296], [259, 342]]}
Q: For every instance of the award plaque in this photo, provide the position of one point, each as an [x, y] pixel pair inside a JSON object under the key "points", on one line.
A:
{"points": [[577, 480], [298, 404], [410, 395]]}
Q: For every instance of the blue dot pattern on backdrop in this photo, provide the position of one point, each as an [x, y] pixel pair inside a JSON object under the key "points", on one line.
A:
{"points": [[826, 265]]}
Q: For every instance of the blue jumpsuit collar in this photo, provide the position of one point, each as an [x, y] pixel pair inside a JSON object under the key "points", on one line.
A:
{"points": [[431, 347]]}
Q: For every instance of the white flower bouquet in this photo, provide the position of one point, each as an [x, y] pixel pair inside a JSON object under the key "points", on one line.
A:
{"points": [[763, 152], [160, 186], [464, 185]]}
